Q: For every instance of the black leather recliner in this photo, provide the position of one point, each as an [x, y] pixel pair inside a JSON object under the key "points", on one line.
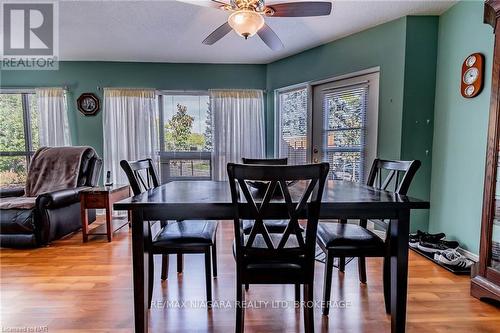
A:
{"points": [[55, 214]]}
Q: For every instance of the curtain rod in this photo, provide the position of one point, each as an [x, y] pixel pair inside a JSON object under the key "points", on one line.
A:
{"points": [[102, 88], [237, 89], [177, 90], [32, 88], [28, 90]]}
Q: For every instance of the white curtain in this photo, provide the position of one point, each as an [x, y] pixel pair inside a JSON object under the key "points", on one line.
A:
{"points": [[130, 128], [238, 118], [52, 117]]}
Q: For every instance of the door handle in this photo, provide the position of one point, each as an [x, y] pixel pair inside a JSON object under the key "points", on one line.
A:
{"points": [[315, 155]]}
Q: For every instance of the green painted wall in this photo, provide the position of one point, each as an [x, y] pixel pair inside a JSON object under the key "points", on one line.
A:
{"points": [[460, 127], [382, 46], [405, 50], [87, 76], [418, 106]]}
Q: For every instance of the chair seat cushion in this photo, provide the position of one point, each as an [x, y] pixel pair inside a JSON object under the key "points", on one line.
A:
{"points": [[186, 232], [273, 226], [260, 266], [347, 235]]}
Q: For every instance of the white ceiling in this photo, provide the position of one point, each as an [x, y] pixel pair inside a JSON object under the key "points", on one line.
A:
{"points": [[172, 31]]}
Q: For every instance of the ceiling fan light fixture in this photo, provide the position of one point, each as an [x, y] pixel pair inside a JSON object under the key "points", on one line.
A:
{"points": [[246, 23]]}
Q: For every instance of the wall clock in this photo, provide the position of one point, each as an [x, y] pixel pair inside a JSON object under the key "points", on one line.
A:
{"points": [[472, 75], [88, 104]]}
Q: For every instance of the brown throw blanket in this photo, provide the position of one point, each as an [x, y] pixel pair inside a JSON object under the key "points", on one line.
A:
{"points": [[51, 169]]}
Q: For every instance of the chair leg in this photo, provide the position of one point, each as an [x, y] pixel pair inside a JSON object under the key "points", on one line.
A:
{"points": [[362, 269], [387, 284], [361, 260], [164, 266], [208, 277], [308, 308], [240, 311], [214, 258], [150, 279], [342, 259], [179, 262], [297, 292], [342, 264], [327, 284]]}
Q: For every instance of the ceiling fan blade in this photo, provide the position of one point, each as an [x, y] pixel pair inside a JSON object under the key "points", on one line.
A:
{"points": [[269, 37], [206, 3], [220, 3], [217, 34], [301, 9]]}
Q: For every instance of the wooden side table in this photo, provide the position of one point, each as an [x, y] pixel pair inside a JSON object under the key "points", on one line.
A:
{"points": [[102, 198]]}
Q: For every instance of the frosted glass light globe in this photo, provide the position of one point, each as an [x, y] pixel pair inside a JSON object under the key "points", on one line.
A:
{"points": [[246, 23]]}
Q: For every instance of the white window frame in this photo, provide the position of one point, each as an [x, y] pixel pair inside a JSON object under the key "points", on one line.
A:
{"points": [[371, 121], [277, 118], [167, 156], [28, 139]]}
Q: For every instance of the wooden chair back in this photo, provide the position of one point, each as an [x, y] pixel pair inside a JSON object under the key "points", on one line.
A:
{"points": [[394, 176], [265, 161], [141, 175], [302, 199]]}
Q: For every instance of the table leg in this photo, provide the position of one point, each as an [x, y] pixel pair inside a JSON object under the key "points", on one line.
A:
{"points": [[85, 221], [399, 230], [129, 212], [140, 270], [109, 220]]}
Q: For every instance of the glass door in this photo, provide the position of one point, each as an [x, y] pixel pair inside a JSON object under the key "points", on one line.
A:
{"points": [[345, 122]]}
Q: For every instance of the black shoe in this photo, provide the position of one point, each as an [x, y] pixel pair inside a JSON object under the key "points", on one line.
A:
{"points": [[439, 246], [421, 236], [415, 239]]}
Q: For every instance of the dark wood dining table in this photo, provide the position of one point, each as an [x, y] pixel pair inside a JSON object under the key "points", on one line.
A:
{"points": [[183, 200]]}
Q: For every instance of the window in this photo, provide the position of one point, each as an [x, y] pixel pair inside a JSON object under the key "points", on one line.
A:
{"points": [[292, 125], [345, 124], [18, 135], [344, 132], [185, 136], [334, 121]]}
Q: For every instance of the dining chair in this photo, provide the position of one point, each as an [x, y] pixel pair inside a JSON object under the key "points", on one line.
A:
{"points": [[273, 226], [265, 161], [341, 240], [271, 258], [175, 237]]}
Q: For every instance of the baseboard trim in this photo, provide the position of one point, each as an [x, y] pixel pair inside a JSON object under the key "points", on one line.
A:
{"points": [[469, 255]]}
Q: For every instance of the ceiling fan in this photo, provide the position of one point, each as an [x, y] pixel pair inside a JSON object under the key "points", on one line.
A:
{"points": [[247, 17]]}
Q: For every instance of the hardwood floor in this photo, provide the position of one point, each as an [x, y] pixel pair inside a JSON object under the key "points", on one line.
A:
{"points": [[76, 287]]}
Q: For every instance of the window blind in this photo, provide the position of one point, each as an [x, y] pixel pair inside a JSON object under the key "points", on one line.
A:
{"points": [[344, 131], [292, 137]]}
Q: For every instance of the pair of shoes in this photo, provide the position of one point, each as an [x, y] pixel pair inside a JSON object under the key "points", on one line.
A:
{"points": [[421, 236], [452, 257], [438, 246]]}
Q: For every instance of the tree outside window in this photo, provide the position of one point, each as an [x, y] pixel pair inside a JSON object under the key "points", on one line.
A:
{"points": [[18, 136], [187, 136]]}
